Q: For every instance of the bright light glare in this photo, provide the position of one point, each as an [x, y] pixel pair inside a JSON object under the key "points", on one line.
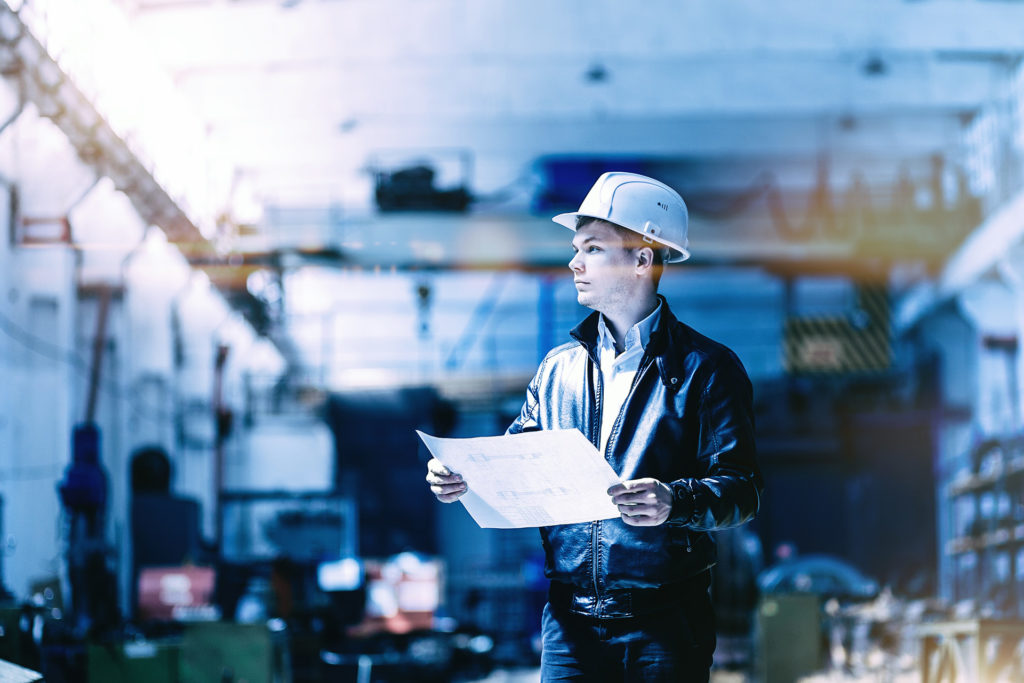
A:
{"points": [[306, 292], [94, 43], [344, 575]]}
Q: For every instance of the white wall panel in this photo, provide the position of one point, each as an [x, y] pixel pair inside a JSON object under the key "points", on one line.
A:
{"points": [[37, 384]]}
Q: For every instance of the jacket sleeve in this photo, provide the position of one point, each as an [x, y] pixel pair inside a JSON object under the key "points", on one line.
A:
{"points": [[527, 420], [728, 491]]}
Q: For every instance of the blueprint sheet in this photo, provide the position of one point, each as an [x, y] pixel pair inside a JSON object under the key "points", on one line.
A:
{"points": [[530, 479]]}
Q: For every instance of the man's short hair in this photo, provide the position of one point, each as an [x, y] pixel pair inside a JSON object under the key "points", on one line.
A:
{"points": [[634, 240]]}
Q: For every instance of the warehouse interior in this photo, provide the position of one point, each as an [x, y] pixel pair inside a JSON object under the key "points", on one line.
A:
{"points": [[249, 247]]}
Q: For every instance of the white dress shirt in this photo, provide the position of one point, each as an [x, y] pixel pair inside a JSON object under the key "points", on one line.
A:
{"points": [[619, 369]]}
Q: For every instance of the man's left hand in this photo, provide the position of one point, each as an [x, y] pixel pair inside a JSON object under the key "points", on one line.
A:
{"points": [[642, 502]]}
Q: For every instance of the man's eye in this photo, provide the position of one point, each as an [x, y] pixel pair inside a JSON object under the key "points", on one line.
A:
{"points": [[593, 249]]}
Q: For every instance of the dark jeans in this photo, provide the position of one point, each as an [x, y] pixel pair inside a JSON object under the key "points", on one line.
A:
{"points": [[676, 644]]}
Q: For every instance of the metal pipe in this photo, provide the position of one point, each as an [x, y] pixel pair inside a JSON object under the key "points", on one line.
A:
{"points": [[97, 352], [218, 456]]}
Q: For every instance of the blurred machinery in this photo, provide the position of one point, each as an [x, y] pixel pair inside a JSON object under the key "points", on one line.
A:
{"points": [[303, 526], [819, 575], [84, 496], [289, 595], [378, 454], [164, 527], [789, 639], [413, 189], [401, 635], [201, 651], [831, 448]]}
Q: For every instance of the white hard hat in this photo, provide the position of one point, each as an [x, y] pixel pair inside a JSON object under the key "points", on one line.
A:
{"points": [[640, 204]]}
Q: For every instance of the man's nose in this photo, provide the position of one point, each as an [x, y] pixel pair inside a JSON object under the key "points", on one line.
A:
{"points": [[575, 263]]}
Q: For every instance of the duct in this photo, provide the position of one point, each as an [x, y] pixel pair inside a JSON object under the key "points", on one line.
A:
{"points": [[1000, 233]]}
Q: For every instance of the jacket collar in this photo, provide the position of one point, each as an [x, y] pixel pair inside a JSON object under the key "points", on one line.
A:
{"points": [[663, 336], [638, 334]]}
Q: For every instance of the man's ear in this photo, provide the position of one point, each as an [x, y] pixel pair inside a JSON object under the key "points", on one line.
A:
{"points": [[644, 257]]}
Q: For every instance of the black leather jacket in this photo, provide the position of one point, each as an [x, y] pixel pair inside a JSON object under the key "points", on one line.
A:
{"points": [[688, 422]]}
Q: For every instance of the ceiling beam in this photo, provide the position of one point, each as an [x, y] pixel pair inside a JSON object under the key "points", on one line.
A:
{"points": [[460, 86], [360, 32], [311, 166], [708, 138]]}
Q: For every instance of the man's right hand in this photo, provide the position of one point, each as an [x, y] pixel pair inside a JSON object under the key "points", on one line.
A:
{"points": [[446, 485]]}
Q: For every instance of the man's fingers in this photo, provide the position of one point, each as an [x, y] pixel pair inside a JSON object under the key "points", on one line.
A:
{"points": [[438, 479], [641, 515], [640, 521], [435, 466], [446, 489], [447, 493], [633, 485], [639, 503], [447, 486], [438, 474], [634, 497], [636, 510]]}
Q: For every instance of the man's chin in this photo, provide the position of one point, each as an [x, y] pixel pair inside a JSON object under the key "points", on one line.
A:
{"points": [[584, 300]]}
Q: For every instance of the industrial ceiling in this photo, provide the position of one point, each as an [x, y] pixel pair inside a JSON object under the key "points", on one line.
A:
{"points": [[807, 137], [311, 101], [308, 98], [302, 105]]}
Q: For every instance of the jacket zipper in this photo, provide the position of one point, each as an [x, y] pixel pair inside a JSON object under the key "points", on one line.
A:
{"points": [[645, 363], [596, 437]]}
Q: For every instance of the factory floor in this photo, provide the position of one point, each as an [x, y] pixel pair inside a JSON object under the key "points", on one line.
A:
{"points": [[533, 676], [512, 676]]}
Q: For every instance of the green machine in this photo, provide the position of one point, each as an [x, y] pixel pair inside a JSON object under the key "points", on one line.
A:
{"points": [[788, 637], [214, 651], [135, 662], [206, 651]]}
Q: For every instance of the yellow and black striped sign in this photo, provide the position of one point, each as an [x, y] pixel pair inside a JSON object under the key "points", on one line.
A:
{"points": [[856, 342]]}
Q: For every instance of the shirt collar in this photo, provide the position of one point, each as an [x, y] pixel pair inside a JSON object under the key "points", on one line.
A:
{"points": [[638, 335]]}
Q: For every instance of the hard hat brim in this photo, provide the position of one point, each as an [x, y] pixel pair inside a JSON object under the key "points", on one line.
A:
{"points": [[568, 219], [677, 254]]}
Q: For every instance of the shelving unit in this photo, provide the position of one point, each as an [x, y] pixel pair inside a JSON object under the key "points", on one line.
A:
{"points": [[972, 649], [986, 501]]}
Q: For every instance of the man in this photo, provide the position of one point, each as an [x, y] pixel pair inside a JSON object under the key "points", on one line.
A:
{"points": [[671, 411]]}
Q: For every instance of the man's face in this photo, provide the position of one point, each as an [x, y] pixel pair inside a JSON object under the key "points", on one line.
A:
{"points": [[603, 268]]}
